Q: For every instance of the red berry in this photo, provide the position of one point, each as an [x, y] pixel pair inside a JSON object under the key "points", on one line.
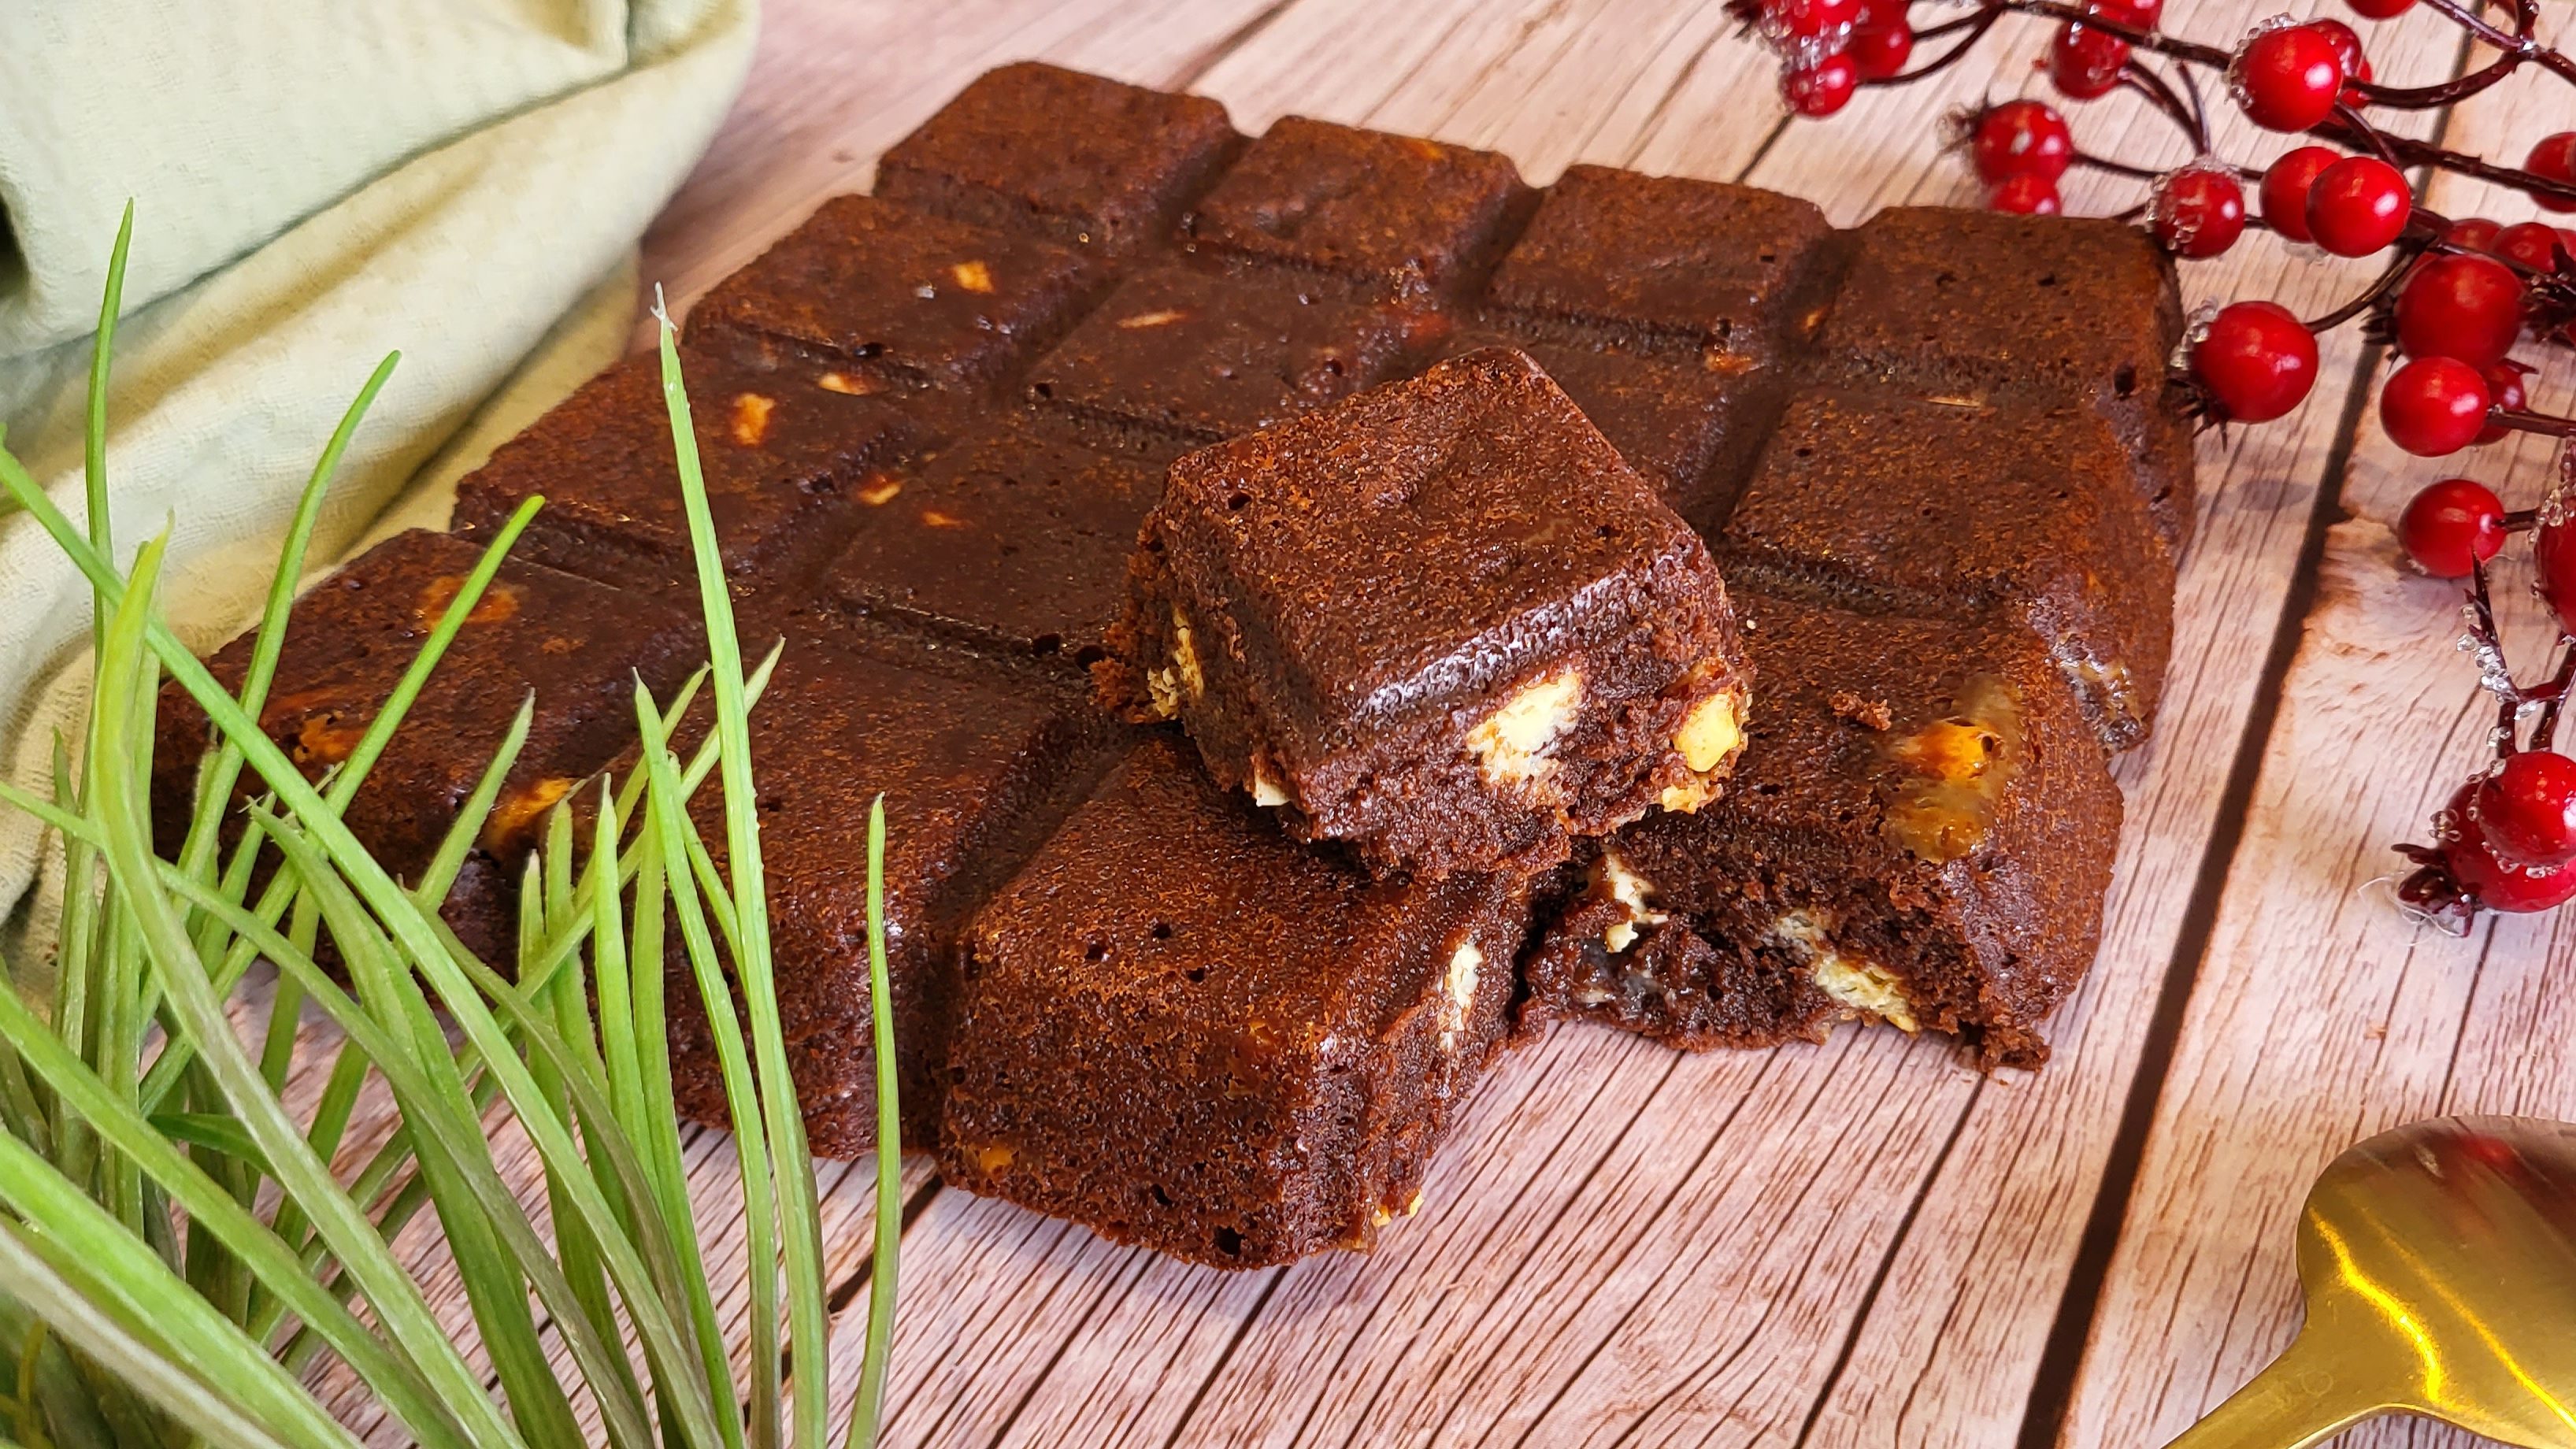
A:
{"points": [[1881, 40], [2257, 361], [1822, 88], [2553, 561], [2532, 245], [2198, 211], [2460, 306], [2452, 526], [2505, 391], [2527, 808], [2021, 138], [2379, 9], [2286, 78], [2286, 185], [2483, 876], [2086, 63], [2027, 194], [2348, 54], [2358, 206], [1808, 19], [2433, 406], [2475, 233], [2554, 159]]}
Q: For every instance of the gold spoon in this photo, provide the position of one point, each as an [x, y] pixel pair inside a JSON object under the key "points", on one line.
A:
{"points": [[2439, 1262]]}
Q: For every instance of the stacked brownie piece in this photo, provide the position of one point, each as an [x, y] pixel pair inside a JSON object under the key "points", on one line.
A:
{"points": [[1222, 994]]}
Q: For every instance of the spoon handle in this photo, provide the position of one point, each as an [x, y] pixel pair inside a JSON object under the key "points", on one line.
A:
{"points": [[2312, 1391]]}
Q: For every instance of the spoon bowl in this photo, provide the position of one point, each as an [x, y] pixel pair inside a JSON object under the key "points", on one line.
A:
{"points": [[2439, 1265]]}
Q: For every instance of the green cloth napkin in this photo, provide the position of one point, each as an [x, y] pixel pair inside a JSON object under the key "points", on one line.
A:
{"points": [[316, 183]]}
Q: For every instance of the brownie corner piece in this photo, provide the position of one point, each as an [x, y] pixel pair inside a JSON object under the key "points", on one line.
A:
{"points": [[780, 454], [970, 770], [1398, 215], [1085, 160], [1185, 1031], [1708, 264], [874, 296], [1921, 833], [1975, 306], [1442, 621]]}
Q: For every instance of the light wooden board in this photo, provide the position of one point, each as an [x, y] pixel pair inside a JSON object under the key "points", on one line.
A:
{"points": [[1858, 1242]]}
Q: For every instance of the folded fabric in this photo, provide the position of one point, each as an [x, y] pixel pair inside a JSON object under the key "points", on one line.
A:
{"points": [[315, 184]]}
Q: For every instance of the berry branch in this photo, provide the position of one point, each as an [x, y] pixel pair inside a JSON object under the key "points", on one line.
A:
{"points": [[2455, 299]]}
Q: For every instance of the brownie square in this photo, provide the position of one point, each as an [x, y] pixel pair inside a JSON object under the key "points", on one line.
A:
{"points": [[1205, 358], [1017, 540], [577, 646], [1184, 1031], [1702, 263], [1984, 307], [1442, 621], [872, 295], [1083, 160], [1397, 214], [1921, 832], [968, 769], [781, 456], [1893, 504]]}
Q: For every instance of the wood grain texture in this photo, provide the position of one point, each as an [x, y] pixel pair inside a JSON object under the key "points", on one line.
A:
{"points": [[1858, 1242]]}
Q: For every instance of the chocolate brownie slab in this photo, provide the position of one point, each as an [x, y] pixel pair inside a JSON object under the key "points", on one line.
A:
{"points": [[968, 769], [1207, 358], [1705, 264], [1014, 540], [867, 295], [1185, 1031], [782, 457], [1442, 621], [574, 645], [1898, 505], [1083, 160], [1985, 307], [1920, 832], [1397, 216]]}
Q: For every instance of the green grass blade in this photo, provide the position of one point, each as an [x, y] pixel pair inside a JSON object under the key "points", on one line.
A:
{"points": [[867, 1410]]}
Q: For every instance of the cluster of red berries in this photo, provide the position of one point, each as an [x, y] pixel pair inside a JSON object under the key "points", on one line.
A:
{"points": [[2455, 300]]}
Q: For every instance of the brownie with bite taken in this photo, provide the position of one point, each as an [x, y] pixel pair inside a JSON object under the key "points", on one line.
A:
{"points": [[973, 772], [1920, 833], [1894, 504], [1183, 1030], [572, 646], [1081, 159], [784, 460], [1442, 621], [868, 296]]}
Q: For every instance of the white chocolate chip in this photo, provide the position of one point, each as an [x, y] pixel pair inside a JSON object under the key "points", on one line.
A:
{"points": [[1265, 790], [1854, 980], [1458, 992], [751, 413], [1511, 744], [973, 276], [1709, 733], [843, 382], [1185, 655], [1633, 893], [1163, 318]]}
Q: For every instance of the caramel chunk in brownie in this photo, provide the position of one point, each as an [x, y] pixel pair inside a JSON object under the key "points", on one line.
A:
{"points": [[969, 770], [1442, 621], [1893, 504], [781, 457], [1016, 540], [1701, 263], [1205, 358], [1983, 307], [1398, 215], [1920, 833], [867, 295], [1084, 160], [574, 645], [1182, 1030]]}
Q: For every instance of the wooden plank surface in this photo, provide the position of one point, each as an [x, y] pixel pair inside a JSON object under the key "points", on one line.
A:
{"points": [[1858, 1242]]}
